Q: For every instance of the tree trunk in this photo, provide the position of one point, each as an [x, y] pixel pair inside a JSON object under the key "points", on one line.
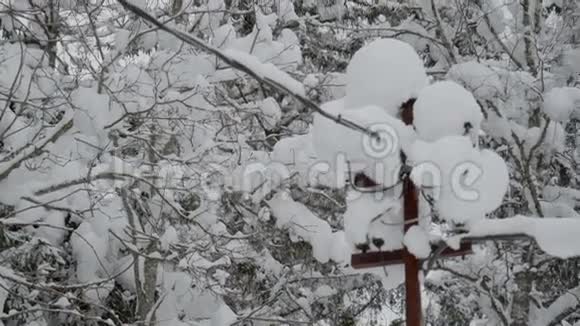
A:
{"points": [[521, 299], [52, 32], [148, 288]]}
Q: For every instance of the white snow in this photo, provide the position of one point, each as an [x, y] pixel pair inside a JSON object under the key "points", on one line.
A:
{"points": [[98, 294], [293, 150], [325, 141], [417, 242], [195, 260], [284, 52], [324, 291], [390, 276], [564, 195], [332, 86], [55, 231], [89, 248], [272, 112], [557, 237], [223, 36], [124, 269], [436, 160], [385, 72], [415, 37], [166, 41], [285, 10], [362, 209], [186, 298], [184, 71], [443, 108], [93, 113], [301, 222], [381, 76], [122, 38], [257, 177], [4, 286], [478, 78], [63, 302], [566, 302], [480, 192], [467, 183], [7, 166], [553, 141], [266, 71], [13, 128], [558, 209], [168, 238], [389, 226], [336, 144], [224, 316], [571, 58], [560, 102], [211, 19], [270, 265], [340, 251], [221, 276], [289, 53], [296, 153]]}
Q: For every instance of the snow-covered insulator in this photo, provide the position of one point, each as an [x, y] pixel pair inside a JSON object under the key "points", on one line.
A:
{"points": [[386, 73], [373, 223], [386, 231], [445, 108], [465, 183]]}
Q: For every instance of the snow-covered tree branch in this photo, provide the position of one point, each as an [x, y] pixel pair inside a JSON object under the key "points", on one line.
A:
{"points": [[215, 163]]}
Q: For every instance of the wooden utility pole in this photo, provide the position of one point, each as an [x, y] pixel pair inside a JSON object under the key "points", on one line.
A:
{"points": [[413, 310], [411, 215], [412, 286]]}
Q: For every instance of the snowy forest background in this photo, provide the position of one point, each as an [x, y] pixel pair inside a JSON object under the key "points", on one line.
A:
{"points": [[140, 180]]}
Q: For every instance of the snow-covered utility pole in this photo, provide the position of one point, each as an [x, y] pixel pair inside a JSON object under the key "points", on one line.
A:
{"points": [[411, 213], [413, 310]]}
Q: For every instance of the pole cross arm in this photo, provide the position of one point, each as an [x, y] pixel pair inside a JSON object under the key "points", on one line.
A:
{"points": [[387, 258]]}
